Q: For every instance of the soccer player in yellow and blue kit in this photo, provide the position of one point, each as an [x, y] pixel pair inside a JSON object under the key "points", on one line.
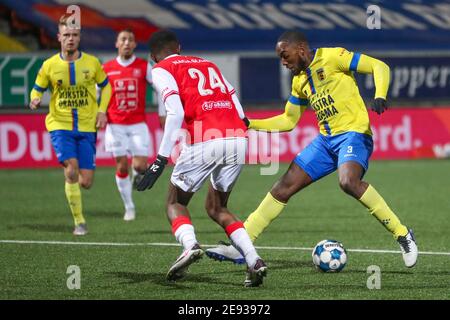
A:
{"points": [[323, 78], [74, 114]]}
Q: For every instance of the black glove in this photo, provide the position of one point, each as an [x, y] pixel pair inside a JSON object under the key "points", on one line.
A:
{"points": [[147, 179], [379, 105], [246, 121]]}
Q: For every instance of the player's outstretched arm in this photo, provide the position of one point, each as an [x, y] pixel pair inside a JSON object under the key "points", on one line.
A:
{"points": [[381, 76], [380, 71], [283, 122]]}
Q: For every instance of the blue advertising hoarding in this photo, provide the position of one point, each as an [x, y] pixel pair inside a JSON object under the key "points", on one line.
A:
{"points": [[414, 79]]}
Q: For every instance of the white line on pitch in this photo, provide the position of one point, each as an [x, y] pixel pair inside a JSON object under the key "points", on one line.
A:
{"points": [[162, 244]]}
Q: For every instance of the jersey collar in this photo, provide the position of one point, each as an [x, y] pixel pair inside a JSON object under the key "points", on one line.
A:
{"points": [[314, 53], [172, 55], [125, 63], [62, 58]]}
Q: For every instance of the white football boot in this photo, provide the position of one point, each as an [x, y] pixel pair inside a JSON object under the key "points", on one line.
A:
{"points": [[225, 252], [180, 267], [80, 229], [409, 248], [129, 215]]}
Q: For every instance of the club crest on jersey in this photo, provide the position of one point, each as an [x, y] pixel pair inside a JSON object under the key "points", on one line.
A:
{"points": [[320, 74], [85, 74], [137, 73]]}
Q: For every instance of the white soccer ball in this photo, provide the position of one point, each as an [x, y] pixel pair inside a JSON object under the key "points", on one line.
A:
{"points": [[329, 256]]}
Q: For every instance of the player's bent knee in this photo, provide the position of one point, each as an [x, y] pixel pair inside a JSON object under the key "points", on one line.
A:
{"points": [[86, 184], [71, 175], [348, 185]]}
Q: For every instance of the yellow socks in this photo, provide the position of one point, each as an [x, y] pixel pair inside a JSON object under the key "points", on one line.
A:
{"points": [[73, 194], [270, 208], [376, 205], [267, 211]]}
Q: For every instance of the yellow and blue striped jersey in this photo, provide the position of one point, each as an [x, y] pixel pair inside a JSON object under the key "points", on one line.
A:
{"points": [[73, 103], [329, 86]]}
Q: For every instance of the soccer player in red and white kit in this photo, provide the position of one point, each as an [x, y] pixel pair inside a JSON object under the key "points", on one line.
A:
{"points": [[194, 90], [126, 130]]}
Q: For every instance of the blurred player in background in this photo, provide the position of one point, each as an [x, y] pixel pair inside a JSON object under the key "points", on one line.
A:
{"points": [[74, 115], [127, 130], [323, 78], [194, 90]]}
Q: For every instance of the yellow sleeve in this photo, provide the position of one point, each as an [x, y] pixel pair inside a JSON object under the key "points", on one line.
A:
{"points": [[102, 81], [287, 121], [357, 62], [380, 72], [41, 83], [100, 75], [105, 97]]}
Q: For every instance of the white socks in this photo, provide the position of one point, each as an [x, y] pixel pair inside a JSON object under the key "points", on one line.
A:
{"points": [[185, 235], [125, 189], [241, 240]]}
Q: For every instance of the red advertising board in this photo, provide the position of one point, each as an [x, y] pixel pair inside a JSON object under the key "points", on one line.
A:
{"points": [[398, 134]]}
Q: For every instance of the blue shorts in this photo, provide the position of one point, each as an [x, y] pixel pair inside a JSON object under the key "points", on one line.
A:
{"points": [[74, 144], [326, 153]]}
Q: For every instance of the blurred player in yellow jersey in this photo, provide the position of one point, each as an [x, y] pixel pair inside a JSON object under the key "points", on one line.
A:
{"points": [[323, 78], [74, 115]]}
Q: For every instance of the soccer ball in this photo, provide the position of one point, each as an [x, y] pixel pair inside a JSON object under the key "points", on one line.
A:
{"points": [[329, 256]]}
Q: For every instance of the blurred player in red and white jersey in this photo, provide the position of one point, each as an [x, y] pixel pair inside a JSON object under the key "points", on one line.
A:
{"points": [[194, 90], [127, 130]]}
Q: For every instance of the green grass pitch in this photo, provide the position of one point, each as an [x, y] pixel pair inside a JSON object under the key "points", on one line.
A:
{"points": [[33, 207]]}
